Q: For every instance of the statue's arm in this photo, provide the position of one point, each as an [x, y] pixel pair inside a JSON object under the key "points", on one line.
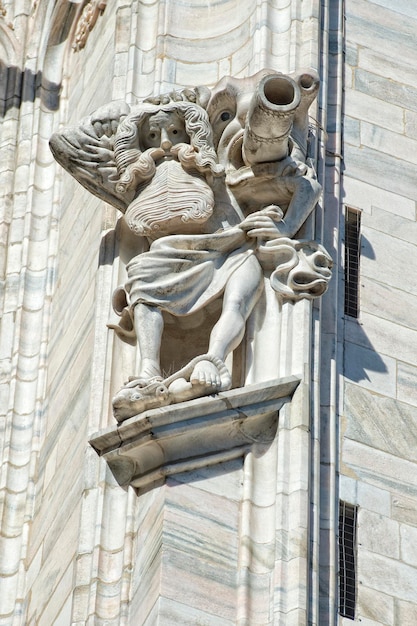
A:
{"points": [[304, 190], [86, 152]]}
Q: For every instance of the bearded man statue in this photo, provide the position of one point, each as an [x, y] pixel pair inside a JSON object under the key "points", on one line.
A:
{"points": [[197, 249]]}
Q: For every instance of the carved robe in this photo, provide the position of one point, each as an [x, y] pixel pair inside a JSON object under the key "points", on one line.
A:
{"points": [[182, 273]]}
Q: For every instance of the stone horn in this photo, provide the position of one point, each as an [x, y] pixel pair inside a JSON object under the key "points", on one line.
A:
{"points": [[279, 105]]}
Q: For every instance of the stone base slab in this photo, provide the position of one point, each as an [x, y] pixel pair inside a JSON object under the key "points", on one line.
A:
{"points": [[165, 441]]}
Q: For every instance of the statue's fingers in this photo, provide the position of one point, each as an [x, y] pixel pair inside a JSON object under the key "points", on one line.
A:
{"points": [[189, 94], [106, 128], [248, 223], [98, 129], [114, 126], [153, 100], [257, 224], [90, 154], [263, 232], [258, 219]]}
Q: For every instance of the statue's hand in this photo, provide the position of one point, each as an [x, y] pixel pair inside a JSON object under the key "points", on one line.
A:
{"points": [[197, 95], [265, 224], [107, 118]]}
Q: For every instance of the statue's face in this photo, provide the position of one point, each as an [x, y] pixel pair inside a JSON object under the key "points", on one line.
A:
{"points": [[163, 130]]}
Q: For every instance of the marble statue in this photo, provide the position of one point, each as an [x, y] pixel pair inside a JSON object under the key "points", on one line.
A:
{"points": [[219, 183]]}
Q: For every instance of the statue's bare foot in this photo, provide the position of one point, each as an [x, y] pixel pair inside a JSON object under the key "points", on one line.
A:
{"points": [[206, 373], [149, 372]]}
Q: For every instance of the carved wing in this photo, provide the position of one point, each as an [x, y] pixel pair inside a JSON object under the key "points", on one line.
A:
{"points": [[86, 152]]}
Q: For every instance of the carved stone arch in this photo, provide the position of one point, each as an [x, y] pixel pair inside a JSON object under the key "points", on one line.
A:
{"points": [[50, 32], [56, 23]]}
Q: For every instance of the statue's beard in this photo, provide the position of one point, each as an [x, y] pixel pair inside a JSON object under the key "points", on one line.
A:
{"points": [[172, 202]]}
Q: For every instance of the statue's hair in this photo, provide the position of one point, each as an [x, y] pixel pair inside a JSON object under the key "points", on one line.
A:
{"points": [[134, 166]]}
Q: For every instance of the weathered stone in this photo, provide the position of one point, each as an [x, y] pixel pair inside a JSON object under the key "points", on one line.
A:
{"points": [[387, 575], [378, 533]]}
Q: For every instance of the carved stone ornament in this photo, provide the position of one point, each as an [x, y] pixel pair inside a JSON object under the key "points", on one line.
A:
{"points": [[88, 18], [219, 183]]}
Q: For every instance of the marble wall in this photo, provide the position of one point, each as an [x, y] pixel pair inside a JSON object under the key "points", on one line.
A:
{"points": [[378, 401]]}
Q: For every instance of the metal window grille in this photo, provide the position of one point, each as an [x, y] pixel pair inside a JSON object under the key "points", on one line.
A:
{"points": [[347, 559], [352, 256]]}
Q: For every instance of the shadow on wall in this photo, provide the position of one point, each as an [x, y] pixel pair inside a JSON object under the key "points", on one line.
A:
{"points": [[17, 86], [361, 361], [22, 85]]}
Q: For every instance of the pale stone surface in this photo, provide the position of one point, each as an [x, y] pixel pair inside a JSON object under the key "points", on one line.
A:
{"points": [[402, 7], [381, 469], [385, 220], [381, 422], [386, 338], [378, 533], [384, 140], [375, 606], [375, 295], [57, 599], [381, 246], [196, 533], [369, 369], [407, 383], [374, 499], [226, 481], [408, 538], [387, 575], [368, 166], [348, 489], [406, 613], [404, 509], [64, 616], [374, 110], [177, 613]]}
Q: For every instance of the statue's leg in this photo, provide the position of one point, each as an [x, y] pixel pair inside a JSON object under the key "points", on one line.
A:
{"points": [[149, 325], [240, 295]]}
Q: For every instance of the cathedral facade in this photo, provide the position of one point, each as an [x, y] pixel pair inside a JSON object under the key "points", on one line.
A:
{"points": [[211, 417]]}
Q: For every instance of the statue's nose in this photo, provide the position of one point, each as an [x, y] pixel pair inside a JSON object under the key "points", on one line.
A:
{"points": [[166, 144]]}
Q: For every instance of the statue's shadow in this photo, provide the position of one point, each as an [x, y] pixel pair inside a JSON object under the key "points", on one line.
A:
{"points": [[361, 361]]}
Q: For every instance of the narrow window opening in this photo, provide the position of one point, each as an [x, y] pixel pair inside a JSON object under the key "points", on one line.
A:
{"points": [[347, 559], [352, 256]]}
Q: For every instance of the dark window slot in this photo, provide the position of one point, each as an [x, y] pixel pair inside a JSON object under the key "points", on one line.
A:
{"points": [[352, 258], [347, 559]]}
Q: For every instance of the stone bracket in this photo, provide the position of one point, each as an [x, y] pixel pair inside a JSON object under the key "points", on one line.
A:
{"points": [[146, 448]]}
